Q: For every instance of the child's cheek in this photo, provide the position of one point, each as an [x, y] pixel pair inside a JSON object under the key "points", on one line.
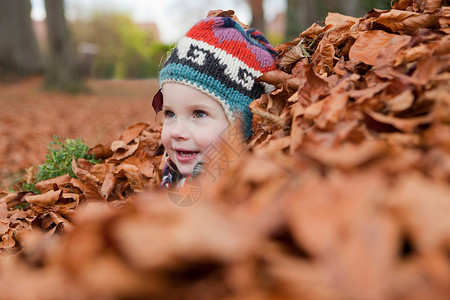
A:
{"points": [[165, 137], [209, 138]]}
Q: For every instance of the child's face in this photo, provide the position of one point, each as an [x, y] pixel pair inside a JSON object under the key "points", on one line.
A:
{"points": [[192, 122]]}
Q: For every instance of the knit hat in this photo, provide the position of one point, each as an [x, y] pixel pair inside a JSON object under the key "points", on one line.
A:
{"points": [[220, 58]]}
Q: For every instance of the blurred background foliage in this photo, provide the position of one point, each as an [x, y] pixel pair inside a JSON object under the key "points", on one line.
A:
{"points": [[122, 49]]}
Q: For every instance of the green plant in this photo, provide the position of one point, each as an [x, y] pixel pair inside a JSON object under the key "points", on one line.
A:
{"points": [[59, 161], [60, 156]]}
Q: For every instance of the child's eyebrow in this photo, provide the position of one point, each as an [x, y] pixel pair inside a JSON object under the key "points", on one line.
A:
{"points": [[199, 106]]}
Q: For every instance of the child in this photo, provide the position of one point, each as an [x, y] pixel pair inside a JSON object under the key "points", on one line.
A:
{"points": [[207, 83]]}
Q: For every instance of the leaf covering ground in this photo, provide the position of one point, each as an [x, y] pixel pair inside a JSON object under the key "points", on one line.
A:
{"points": [[342, 193]]}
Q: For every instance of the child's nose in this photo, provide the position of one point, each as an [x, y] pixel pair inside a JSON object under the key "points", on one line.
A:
{"points": [[179, 131]]}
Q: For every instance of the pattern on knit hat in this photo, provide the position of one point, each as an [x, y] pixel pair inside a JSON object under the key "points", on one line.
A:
{"points": [[218, 57]]}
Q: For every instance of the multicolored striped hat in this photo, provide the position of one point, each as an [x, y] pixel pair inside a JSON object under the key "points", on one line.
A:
{"points": [[222, 59]]}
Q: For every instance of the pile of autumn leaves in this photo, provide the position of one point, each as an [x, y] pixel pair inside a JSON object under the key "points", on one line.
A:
{"points": [[343, 193]]}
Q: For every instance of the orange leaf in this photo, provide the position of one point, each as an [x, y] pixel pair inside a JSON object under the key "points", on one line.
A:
{"points": [[297, 111], [348, 156], [407, 125], [132, 132], [401, 102], [7, 240], [314, 30], [3, 210], [422, 205], [405, 21], [332, 109], [388, 54], [84, 175], [276, 78], [47, 185], [46, 199], [338, 20], [323, 58], [368, 45], [57, 218], [132, 174], [121, 150], [4, 226], [144, 164], [108, 185], [101, 151]]}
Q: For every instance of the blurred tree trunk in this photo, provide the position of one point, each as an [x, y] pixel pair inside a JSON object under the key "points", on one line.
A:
{"points": [[62, 71], [19, 51], [300, 14], [257, 9], [351, 7]]}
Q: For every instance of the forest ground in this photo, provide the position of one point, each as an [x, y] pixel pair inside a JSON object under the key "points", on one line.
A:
{"points": [[30, 116]]}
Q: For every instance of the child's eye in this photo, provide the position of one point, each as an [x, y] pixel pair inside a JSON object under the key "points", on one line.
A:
{"points": [[200, 114], [169, 114]]}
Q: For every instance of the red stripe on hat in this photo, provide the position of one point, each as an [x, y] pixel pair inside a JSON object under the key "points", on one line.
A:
{"points": [[202, 32]]}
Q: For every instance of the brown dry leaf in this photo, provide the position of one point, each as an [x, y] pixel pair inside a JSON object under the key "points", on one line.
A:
{"points": [[3, 209], [401, 102], [323, 212], [4, 226], [314, 30], [363, 95], [407, 124], [108, 185], [92, 193], [122, 150], [179, 232], [7, 240], [144, 164], [101, 151], [419, 203], [368, 46], [84, 175], [276, 78], [441, 96], [58, 219], [429, 66], [132, 132], [297, 112], [342, 38], [278, 145], [100, 170], [333, 108], [228, 13], [133, 175], [323, 58], [336, 221], [338, 20], [411, 54], [84, 164], [348, 156], [315, 87], [49, 184], [46, 199], [404, 21], [388, 53], [117, 145], [291, 56], [444, 20], [401, 4]]}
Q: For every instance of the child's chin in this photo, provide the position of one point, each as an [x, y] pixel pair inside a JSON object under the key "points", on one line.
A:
{"points": [[185, 170]]}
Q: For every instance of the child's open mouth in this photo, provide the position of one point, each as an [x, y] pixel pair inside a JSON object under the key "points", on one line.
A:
{"points": [[185, 156]]}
